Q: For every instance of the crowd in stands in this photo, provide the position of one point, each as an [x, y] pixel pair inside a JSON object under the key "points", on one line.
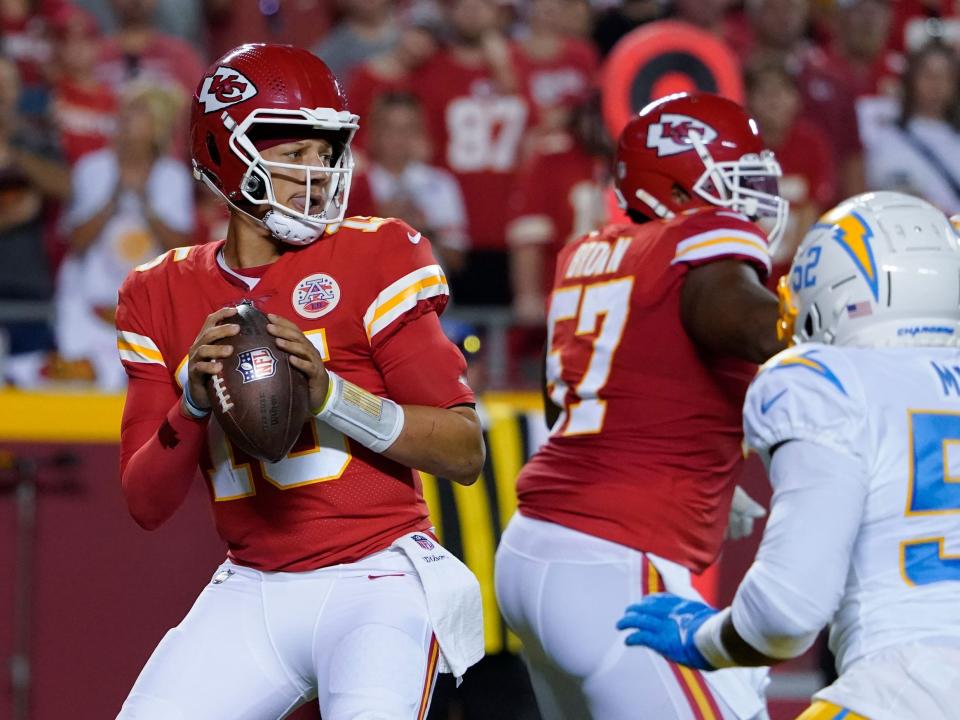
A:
{"points": [[480, 126]]}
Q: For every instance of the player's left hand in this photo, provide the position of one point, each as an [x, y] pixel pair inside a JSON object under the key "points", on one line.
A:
{"points": [[303, 356], [667, 623], [744, 511]]}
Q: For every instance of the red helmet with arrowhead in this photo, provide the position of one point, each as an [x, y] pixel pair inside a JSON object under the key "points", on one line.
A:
{"points": [[708, 147], [258, 94]]}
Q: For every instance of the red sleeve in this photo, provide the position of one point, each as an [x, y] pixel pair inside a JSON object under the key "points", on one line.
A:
{"points": [[410, 282], [159, 447], [420, 366], [159, 451], [710, 234]]}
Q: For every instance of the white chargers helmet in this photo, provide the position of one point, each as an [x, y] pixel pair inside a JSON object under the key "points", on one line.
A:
{"points": [[880, 269]]}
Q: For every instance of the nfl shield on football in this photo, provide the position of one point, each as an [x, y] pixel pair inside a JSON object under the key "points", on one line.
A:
{"points": [[259, 398]]}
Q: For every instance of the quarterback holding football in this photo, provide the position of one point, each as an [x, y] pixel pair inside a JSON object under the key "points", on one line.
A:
{"points": [[333, 589]]}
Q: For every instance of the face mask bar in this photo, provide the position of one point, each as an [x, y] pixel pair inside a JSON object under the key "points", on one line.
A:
{"points": [[748, 186], [257, 184]]}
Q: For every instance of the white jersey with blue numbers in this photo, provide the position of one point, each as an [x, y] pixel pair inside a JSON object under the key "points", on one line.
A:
{"points": [[896, 411]]}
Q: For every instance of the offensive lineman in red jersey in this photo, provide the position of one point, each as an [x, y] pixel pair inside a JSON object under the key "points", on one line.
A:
{"points": [[333, 587], [654, 330]]}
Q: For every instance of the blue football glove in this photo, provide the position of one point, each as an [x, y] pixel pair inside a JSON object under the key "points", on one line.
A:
{"points": [[666, 623]]}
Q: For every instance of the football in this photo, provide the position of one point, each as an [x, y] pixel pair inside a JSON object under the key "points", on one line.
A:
{"points": [[259, 398]]}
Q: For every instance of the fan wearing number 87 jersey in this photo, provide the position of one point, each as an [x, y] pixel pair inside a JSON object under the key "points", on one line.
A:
{"points": [[654, 331]]}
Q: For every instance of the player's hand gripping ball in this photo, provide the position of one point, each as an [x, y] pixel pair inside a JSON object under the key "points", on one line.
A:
{"points": [[259, 397]]}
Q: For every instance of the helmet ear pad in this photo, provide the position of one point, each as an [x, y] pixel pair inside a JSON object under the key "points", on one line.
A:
{"points": [[254, 186]]}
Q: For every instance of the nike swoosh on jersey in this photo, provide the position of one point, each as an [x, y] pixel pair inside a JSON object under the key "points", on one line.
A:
{"points": [[377, 577], [767, 404], [414, 238]]}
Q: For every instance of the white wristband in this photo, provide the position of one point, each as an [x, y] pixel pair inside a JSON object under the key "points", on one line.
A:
{"points": [[710, 643], [190, 406], [372, 421]]}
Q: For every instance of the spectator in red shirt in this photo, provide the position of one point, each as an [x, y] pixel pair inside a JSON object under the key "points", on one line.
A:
{"points": [[559, 196], [139, 52], [809, 176], [777, 28], [295, 22], [398, 183], [556, 70], [860, 47], [477, 118], [391, 71], [84, 108], [23, 38]]}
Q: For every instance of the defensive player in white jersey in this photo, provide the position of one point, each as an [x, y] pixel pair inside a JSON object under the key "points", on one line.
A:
{"points": [[860, 427]]}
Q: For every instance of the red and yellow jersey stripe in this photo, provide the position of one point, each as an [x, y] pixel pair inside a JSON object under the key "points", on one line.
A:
{"points": [[403, 295], [138, 348]]}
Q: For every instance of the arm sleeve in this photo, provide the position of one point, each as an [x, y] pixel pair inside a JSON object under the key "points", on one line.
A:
{"points": [[159, 451], [136, 344], [159, 447], [420, 366], [797, 580], [711, 234], [410, 283], [809, 392]]}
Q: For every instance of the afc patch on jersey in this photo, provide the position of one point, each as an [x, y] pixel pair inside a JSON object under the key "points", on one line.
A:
{"points": [[224, 88], [671, 135], [256, 364], [315, 295]]}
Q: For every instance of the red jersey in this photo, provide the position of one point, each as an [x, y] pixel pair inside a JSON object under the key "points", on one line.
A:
{"points": [[353, 293], [363, 89], [164, 60], [828, 102], [563, 80], [477, 134], [559, 196], [85, 116], [646, 450], [809, 172]]}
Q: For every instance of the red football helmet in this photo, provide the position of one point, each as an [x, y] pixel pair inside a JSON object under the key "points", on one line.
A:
{"points": [[260, 94], [707, 146]]}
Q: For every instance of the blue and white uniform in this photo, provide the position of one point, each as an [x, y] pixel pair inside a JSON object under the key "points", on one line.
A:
{"points": [[865, 468]]}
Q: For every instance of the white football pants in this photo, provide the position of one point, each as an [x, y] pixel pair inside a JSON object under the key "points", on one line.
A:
{"points": [[562, 592], [256, 645]]}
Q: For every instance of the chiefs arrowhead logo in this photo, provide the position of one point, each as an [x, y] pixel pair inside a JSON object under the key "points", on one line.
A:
{"points": [[224, 88], [672, 134]]}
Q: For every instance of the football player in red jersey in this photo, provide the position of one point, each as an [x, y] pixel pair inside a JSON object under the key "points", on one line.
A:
{"points": [[333, 587], [654, 332]]}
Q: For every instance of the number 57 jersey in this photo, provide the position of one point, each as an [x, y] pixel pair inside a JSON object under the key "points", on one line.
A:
{"points": [[896, 413], [648, 444]]}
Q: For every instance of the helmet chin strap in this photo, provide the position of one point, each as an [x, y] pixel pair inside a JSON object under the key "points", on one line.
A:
{"points": [[291, 230]]}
